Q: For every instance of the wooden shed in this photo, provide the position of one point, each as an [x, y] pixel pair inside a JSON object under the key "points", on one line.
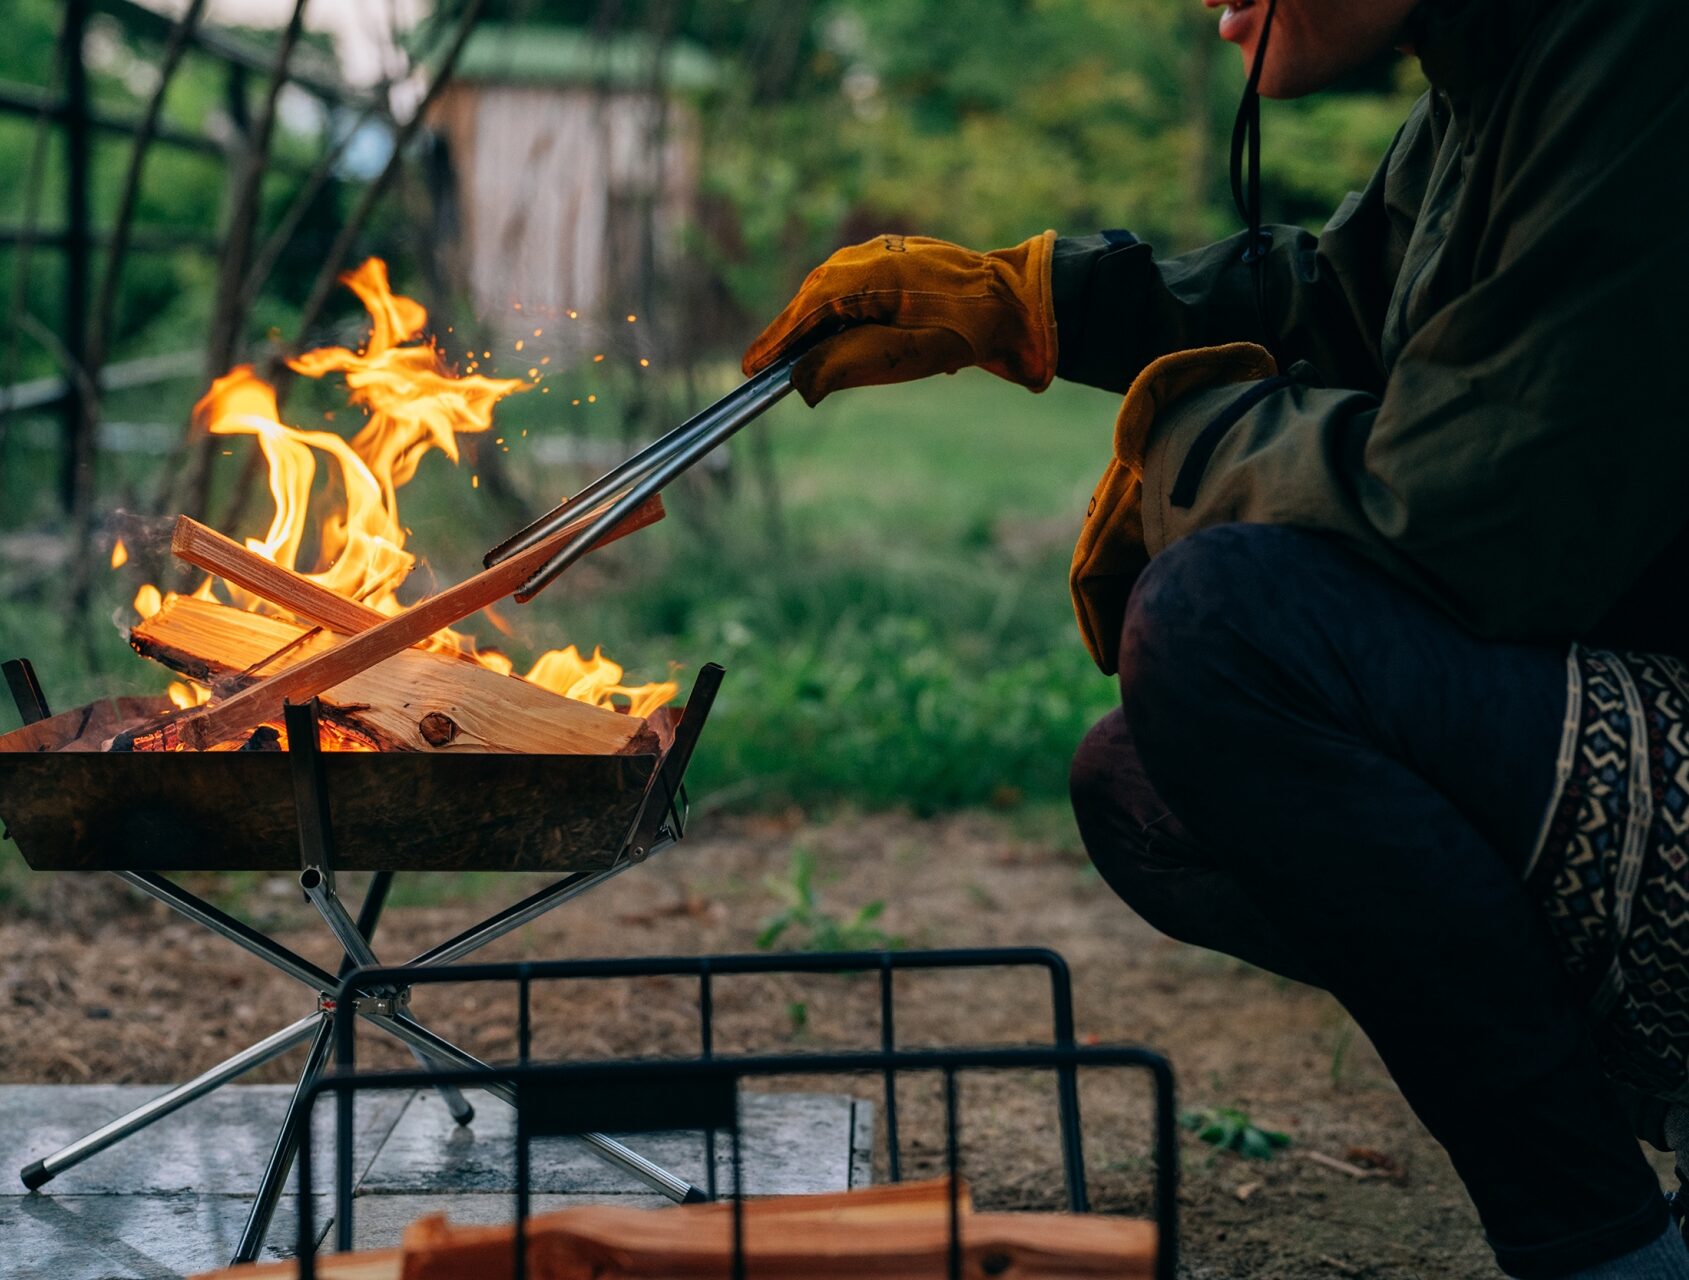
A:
{"points": [[573, 168]]}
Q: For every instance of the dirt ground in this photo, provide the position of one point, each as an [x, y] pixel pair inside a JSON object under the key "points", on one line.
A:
{"points": [[126, 992]]}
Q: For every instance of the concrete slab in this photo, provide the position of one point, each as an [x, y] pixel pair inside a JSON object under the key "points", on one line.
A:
{"points": [[217, 1145], [172, 1200], [793, 1144], [145, 1237]]}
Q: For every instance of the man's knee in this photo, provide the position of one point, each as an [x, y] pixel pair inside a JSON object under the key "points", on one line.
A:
{"points": [[1104, 785], [1127, 829]]}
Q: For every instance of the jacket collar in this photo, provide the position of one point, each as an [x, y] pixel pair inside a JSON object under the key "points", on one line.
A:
{"points": [[1467, 46]]}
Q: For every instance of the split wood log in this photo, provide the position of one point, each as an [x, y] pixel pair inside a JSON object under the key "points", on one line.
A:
{"points": [[207, 549], [414, 701], [886, 1236], [83, 728], [221, 720]]}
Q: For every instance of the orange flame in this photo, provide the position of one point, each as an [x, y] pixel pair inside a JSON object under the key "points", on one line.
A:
{"points": [[414, 405]]}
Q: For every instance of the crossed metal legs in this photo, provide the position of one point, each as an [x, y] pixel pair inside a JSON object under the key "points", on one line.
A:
{"points": [[316, 1028]]}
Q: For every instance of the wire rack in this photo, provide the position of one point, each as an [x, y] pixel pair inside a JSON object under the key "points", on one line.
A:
{"points": [[701, 1093]]}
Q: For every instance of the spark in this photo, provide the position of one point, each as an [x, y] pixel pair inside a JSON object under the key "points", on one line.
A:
{"points": [[520, 344], [633, 319], [574, 315], [644, 363], [119, 554], [533, 373], [598, 359], [545, 359], [537, 332], [592, 399], [474, 482]]}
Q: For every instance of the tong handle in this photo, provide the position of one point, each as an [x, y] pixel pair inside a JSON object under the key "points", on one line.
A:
{"points": [[646, 473], [691, 440], [653, 469]]}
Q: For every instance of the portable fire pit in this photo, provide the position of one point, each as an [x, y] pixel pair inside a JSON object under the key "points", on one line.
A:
{"points": [[72, 807], [328, 727]]}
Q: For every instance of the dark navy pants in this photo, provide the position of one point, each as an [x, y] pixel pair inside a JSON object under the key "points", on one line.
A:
{"points": [[1317, 771]]}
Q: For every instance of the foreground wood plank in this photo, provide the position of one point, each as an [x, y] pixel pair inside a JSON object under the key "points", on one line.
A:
{"points": [[331, 667], [415, 700], [880, 1234], [601, 1242]]}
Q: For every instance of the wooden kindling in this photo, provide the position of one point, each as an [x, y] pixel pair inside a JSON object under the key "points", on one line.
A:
{"points": [[195, 544], [371, 638], [414, 701]]}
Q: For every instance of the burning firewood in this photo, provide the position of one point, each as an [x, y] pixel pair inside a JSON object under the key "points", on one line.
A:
{"points": [[337, 664], [353, 635], [888, 1233], [227, 559], [413, 701]]}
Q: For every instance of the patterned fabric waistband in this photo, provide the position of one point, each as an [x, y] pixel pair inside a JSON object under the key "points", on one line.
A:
{"points": [[1611, 870]]}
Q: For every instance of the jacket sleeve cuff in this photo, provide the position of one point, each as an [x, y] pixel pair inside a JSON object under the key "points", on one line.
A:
{"points": [[1095, 292]]}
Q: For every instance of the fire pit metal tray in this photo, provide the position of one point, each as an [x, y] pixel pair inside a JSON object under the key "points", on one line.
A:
{"points": [[72, 807]]}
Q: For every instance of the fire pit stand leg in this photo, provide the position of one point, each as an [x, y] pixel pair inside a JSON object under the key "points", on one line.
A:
{"points": [[316, 857], [320, 890], [270, 1186], [44, 1170], [625, 1158], [388, 1010]]}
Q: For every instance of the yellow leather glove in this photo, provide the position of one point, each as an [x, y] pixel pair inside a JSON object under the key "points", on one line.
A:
{"points": [[1110, 553], [916, 307]]}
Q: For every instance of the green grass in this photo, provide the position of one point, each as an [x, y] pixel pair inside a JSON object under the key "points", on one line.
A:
{"points": [[805, 923], [907, 642]]}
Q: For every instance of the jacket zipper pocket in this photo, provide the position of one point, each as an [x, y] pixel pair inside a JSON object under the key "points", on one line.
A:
{"points": [[1202, 450]]}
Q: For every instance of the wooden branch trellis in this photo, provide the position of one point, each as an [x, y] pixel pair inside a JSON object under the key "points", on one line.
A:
{"points": [[81, 339]]}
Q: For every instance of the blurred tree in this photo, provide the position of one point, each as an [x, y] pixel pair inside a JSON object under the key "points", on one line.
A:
{"points": [[986, 121], [982, 121]]}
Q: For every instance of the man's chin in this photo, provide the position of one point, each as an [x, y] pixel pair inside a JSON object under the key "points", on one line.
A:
{"points": [[1283, 79]]}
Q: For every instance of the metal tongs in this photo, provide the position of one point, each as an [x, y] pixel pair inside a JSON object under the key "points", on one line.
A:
{"points": [[611, 497]]}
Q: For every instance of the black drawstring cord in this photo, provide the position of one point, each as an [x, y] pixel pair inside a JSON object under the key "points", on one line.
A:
{"points": [[1247, 197]]}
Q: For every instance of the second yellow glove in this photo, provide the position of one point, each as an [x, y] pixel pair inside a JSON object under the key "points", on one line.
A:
{"points": [[916, 306]]}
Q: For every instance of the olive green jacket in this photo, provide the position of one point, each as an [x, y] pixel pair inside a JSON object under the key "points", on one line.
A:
{"points": [[1486, 396]]}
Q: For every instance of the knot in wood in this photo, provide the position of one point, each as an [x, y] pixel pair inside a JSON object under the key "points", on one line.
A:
{"points": [[438, 729]]}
